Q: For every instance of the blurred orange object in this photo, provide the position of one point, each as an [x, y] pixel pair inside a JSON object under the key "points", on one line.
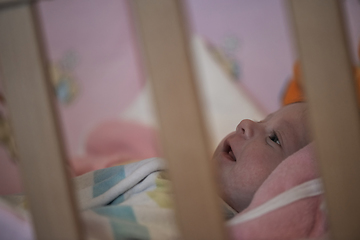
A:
{"points": [[294, 92]]}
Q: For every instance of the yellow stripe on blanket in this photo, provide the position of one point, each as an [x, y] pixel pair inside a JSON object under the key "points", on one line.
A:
{"points": [[162, 193]]}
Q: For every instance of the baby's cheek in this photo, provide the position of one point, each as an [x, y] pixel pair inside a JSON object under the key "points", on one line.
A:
{"points": [[255, 171], [253, 177]]}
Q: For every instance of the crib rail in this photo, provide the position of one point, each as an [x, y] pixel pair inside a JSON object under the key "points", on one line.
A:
{"points": [[329, 84], [40, 149]]}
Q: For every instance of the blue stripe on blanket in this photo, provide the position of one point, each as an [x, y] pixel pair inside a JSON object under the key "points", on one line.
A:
{"points": [[104, 179], [123, 222]]}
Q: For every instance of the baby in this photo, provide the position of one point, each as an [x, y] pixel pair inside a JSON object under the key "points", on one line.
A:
{"points": [[247, 156]]}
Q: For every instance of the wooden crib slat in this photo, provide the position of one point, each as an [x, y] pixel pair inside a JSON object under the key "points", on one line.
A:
{"points": [[329, 84], [4, 3], [185, 142], [29, 99]]}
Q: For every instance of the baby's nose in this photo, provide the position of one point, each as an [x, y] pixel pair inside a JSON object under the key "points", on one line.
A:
{"points": [[247, 128]]}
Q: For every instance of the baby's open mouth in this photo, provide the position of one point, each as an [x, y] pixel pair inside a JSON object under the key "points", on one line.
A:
{"points": [[229, 151]]}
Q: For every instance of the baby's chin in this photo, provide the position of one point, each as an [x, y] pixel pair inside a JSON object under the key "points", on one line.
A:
{"points": [[238, 206], [238, 199], [232, 204]]}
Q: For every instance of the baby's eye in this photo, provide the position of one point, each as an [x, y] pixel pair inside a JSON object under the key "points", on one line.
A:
{"points": [[273, 137]]}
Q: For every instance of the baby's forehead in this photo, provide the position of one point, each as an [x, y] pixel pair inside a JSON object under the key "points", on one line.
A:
{"points": [[291, 112]]}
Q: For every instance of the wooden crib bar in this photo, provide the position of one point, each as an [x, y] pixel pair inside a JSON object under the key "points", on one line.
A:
{"points": [[7, 3], [166, 45], [329, 84], [40, 149]]}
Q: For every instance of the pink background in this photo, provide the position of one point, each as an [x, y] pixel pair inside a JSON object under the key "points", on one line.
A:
{"points": [[107, 73]]}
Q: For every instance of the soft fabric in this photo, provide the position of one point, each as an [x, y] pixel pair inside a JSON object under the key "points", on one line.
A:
{"points": [[128, 202], [114, 142], [303, 218], [14, 220], [133, 201]]}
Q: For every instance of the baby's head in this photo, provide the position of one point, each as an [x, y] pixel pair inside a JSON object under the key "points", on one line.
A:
{"points": [[247, 156]]}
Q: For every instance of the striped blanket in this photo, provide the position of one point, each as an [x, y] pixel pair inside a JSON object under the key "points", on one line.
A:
{"points": [[131, 201]]}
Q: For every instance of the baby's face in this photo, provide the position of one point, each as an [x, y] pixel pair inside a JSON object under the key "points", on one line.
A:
{"points": [[247, 156]]}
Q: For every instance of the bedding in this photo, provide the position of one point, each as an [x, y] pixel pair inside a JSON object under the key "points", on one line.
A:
{"points": [[133, 201], [129, 201], [114, 142]]}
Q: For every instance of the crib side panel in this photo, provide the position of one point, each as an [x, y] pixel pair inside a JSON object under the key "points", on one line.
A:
{"points": [[40, 149], [329, 84]]}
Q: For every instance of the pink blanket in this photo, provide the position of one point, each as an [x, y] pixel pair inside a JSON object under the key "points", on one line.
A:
{"points": [[115, 142], [303, 218]]}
